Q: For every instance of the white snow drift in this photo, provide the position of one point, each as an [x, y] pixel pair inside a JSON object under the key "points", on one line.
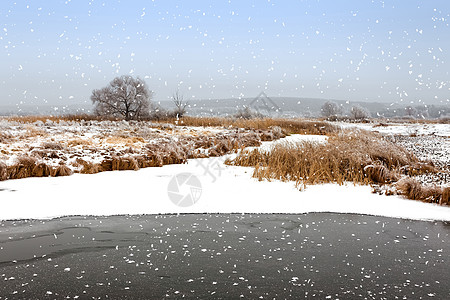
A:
{"points": [[224, 189]]}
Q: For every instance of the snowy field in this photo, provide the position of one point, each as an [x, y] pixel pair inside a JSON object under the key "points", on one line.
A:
{"points": [[403, 129], [221, 189]]}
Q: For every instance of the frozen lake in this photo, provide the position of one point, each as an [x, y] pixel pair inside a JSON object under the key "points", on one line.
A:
{"points": [[323, 255]]}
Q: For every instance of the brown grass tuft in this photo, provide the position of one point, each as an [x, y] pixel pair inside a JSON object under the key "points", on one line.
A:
{"points": [[380, 174], [88, 167], [62, 170], [5, 137], [33, 131], [167, 153], [125, 163], [419, 168], [23, 168], [128, 141], [361, 158], [410, 188], [446, 196], [52, 146], [414, 190], [41, 170], [78, 142], [3, 171], [119, 163]]}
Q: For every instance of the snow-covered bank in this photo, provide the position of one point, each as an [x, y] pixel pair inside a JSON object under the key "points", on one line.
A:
{"points": [[403, 129], [224, 189]]}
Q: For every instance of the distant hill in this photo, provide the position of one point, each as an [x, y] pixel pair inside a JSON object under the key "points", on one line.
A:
{"points": [[269, 106], [302, 107]]}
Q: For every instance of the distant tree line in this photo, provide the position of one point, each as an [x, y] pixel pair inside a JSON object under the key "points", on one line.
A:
{"points": [[129, 98], [332, 111]]}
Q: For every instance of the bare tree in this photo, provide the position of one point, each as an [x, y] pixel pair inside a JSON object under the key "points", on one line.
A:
{"points": [[247, 113], [125, 97], [358, 112], [180, 104], [410, 111], [331, 109]]}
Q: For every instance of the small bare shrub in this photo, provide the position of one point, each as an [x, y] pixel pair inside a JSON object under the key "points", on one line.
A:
{"points": [[247, 113], [358, 112], [331, 109]]}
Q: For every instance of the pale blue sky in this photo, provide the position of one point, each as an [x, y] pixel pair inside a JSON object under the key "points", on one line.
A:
{"points": [[57, 52]]}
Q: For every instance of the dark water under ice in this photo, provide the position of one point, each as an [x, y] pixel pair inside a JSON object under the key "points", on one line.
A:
{"points": [[324, 255]]}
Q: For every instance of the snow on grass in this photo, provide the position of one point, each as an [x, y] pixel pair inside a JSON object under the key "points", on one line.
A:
{"points": [[403, 129], [291, 139], [225, 189]]}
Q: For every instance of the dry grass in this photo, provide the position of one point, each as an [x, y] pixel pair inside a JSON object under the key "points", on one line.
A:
{"points": [[290, 126], [88, 167], [164, 152], [380, 174], [32, 131], [3, 171], [5, 137], [414, 190], [167, 153], [41, 170], [127, 141], [62, 170], [23, 168], [26, 166], [360, 157], [119, 164], [78, 142], [445, 200], [52, 146]]}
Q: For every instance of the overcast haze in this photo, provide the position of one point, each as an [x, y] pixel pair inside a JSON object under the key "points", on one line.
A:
{"points": [[57, 52]]}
